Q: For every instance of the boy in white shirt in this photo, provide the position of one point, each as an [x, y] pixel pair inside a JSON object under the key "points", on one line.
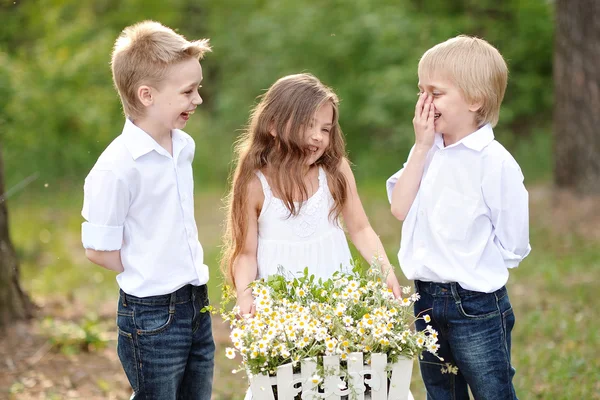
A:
{"points": [[465, 211], [139, 211]]}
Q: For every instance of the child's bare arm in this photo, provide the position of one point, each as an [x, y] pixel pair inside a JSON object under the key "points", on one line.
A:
{"points": [[245, 265], [361, 233], [108, 259], [408, 183]]}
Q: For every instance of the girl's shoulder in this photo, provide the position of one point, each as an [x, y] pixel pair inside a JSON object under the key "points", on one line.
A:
{"points": [[345, 168], [254, 193]]}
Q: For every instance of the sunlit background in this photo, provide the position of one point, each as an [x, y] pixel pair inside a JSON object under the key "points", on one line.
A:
{"points": [[58, 111]]}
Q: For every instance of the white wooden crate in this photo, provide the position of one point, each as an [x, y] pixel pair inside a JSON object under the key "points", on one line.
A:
{"points": [[289, 384]]}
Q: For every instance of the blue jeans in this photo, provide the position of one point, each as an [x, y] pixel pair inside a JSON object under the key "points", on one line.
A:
{"points": [[166, 345], [474, 334]]}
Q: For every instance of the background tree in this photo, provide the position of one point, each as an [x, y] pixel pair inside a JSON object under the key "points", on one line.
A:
{"points": [[14, 303], [577, 96]]}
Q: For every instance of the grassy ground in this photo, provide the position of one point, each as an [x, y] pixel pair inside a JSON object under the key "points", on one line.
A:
{"points": [[555, 341]]}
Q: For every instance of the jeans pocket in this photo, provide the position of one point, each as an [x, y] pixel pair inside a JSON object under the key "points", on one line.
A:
{"points": [[128, 356], [152, 319], [508, 315], [478, 305]]}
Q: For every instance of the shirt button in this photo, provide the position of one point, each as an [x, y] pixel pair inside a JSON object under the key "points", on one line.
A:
{"points": [[422, 213]]}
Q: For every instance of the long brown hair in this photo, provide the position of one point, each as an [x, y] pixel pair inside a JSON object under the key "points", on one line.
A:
{"points": [[287, 108]]}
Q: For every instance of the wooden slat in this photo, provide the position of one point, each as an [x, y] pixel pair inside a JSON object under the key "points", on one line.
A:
{"points": [[400, 383], [355, 366], [261, 388], [379, 382], [308, 368], [331, 364], [285, 375]]}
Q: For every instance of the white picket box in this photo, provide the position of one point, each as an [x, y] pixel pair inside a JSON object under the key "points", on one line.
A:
{"points": [[289, 384]]}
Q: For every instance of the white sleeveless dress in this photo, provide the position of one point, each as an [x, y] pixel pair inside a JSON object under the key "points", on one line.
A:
{"points": [[310, 239]]}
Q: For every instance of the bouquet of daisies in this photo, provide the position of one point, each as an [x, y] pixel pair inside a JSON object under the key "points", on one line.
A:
{"points": [[300, 318]]}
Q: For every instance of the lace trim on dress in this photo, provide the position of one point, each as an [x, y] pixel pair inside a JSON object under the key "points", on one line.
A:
{"points": [[307, 220]]}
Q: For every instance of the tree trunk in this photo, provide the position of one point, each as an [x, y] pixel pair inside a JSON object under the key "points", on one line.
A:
{"points": [[14, 303], [577, 96]]}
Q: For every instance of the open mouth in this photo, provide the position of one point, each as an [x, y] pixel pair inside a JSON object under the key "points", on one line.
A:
{"points": [[187, 114], [313, 149], [436, 115]]}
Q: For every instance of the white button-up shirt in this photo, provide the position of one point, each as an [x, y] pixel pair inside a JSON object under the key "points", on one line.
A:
{"points": [[469, 221], [139, 199]]}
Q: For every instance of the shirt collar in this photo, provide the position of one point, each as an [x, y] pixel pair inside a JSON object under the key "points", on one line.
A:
{"points": [[139, 143], [477, 140]]}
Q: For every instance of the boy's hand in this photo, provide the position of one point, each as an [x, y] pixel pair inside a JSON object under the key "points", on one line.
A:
{"points": [[245, 302], [423, 121]]}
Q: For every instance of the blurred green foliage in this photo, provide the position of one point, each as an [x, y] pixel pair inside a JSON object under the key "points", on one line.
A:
{"points": [[69, 337], [58, 109]]}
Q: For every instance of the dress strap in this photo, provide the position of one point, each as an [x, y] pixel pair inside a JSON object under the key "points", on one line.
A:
{"points": [[263, 181], [322, 178]]}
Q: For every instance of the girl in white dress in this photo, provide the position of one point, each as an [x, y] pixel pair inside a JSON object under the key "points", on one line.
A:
{"points": [[291, 185]]}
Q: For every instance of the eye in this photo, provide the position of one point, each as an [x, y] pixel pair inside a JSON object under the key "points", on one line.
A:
{"points": [[436, 94], [188, 92], [326, 130]]}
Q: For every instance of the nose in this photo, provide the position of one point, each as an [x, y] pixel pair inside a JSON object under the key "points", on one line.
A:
{"points": [[197, 99], [317, 135]]}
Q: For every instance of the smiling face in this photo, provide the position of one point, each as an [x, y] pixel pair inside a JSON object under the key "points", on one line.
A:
{"points": [[177, 97], [454, 116], [317, 136]]}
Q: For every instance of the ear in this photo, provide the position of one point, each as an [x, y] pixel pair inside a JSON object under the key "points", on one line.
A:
{"points": [[144, 94], [475, 105], [272, 130]]}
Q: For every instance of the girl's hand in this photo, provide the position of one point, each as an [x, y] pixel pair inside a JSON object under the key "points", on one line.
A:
{"points": [[423, 122], [245, 301], [392, 283]]}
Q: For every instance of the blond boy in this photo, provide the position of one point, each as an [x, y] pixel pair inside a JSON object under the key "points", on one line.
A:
{"points": [[465, 211], [139, 211]]}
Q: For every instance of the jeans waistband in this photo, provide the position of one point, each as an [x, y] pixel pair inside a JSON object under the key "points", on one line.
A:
{"points": [[181, 295], [448, 289]]}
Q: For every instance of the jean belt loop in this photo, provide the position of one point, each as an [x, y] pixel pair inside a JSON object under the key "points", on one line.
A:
{"points": [[496, 294], [500, 293], [172, 302], [123, 298], [455, 294]]}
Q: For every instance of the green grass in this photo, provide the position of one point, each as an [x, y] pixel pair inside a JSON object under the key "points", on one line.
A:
{"points": [[555, 340]]}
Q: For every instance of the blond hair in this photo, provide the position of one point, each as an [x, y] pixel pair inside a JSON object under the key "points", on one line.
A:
{"points": [[287, 108], [142, 55], [476, 67]]}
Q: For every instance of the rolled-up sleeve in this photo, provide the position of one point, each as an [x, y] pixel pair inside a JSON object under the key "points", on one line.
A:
{"points": [[508, 201], [105, 205], [391, 182]]}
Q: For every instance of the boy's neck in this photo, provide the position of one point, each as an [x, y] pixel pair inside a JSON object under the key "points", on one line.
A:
{"points": [[450, 139], [160, 135]]}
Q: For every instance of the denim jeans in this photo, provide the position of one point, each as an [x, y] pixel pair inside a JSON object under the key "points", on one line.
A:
{"points": [[474, 334], [166, 345]]}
